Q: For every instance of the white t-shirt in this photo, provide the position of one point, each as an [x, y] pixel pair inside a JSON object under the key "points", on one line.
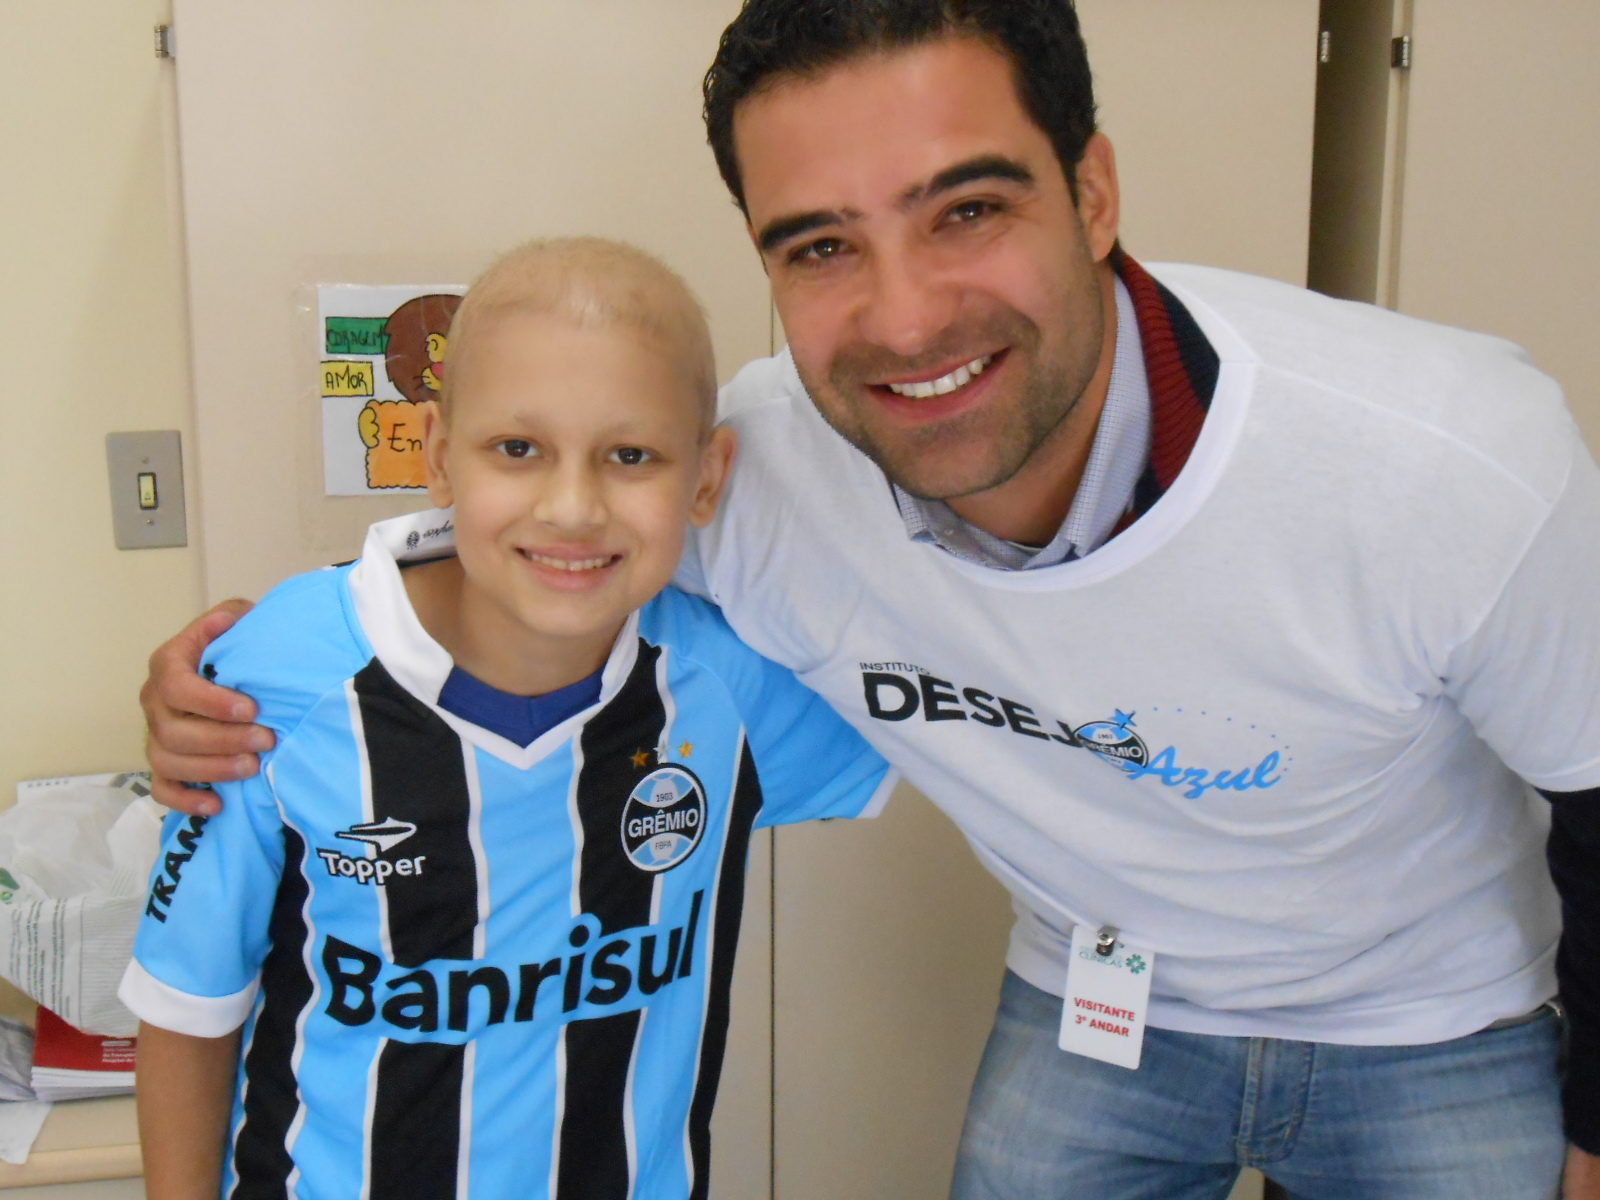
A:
{"points": [[1274, 731]]}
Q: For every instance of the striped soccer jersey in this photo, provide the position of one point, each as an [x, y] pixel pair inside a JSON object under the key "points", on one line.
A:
{"points": [[466, 967]]}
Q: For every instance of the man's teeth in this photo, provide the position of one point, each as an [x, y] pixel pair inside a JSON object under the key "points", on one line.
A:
{"points": [[945, 384], [568, 564]]}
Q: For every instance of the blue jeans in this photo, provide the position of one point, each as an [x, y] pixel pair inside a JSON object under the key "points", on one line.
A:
{"points": [[1477, 1118]]}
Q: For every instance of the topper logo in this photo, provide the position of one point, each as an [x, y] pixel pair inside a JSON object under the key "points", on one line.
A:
{"points": [[385, 834]]}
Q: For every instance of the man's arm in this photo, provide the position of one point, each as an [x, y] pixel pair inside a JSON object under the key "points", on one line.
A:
{"points": [[198, 732], [1574, 855], [185, 1098]]}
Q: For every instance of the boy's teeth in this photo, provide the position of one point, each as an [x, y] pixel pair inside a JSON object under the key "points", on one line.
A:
{"points": [[569, 564], [945, 384]]}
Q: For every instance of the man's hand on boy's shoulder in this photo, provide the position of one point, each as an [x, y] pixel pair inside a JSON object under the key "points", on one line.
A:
{"points": [[198, 732]]}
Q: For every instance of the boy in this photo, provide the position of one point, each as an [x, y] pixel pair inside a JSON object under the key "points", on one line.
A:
{"points": [[474, 923]]}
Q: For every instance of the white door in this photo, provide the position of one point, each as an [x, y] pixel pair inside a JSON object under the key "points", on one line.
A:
{"points": [[1502, 181]]}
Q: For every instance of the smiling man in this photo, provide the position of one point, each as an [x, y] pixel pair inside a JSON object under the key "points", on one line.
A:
{"points": [[1231, 624]]}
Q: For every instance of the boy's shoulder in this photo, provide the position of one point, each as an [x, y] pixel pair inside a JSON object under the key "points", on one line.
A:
{"points": [[300, 642], [694, 633], [690, 626]]}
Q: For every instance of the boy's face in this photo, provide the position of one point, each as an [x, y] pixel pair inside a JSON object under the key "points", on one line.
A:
{"points": [[575, 460]]}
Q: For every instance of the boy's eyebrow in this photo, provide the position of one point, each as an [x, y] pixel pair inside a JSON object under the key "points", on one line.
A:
{"points": [[986, 166], [783, 229]]}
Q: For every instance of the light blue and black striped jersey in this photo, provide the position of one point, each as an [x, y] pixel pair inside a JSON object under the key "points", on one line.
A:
{"points": [[466, 967]]}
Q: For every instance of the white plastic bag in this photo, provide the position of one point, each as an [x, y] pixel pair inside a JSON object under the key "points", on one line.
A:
{"points": [[75, 859]]}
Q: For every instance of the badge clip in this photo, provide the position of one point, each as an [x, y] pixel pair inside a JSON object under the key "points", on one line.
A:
{"points": [[1106, 940]]}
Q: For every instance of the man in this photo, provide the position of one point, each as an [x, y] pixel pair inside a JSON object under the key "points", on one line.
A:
{"points": [[1226, 620]]}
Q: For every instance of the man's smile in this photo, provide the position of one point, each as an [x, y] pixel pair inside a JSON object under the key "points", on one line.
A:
{"points": [[943, 384], [939, 397]]}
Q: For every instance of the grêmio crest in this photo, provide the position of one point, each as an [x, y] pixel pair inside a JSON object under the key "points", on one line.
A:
{"points": [[663, 819]]}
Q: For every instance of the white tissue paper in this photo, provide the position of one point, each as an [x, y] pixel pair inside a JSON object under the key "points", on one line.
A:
{"points": [[75, 859]]}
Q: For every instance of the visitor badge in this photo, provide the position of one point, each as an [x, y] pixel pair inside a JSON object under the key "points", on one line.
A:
{"points": [[1108, 995]]}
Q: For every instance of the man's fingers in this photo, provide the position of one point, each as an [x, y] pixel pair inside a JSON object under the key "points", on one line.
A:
{"points": [[200, 768], [174, 685], [177, 694], [193, 801], [1581, 1181]]}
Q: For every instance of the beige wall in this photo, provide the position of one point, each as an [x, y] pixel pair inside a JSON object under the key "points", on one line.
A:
{"points": [[91, 305], [1210, 107]]}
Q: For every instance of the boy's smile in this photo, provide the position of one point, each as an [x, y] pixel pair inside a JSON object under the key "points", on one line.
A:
{"points": [[574, 459]]}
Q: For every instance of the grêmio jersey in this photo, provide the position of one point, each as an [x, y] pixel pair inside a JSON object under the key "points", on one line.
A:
{"points": [[465, 967]]}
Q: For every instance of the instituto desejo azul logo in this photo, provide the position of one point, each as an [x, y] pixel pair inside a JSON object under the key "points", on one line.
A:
{"points": [[899, 691], [1115, 741], [663, 818]]}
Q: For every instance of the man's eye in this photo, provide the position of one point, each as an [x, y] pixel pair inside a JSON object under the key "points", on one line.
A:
{"points": [[515, 448], [970, 210], [630, 456], [818, 251]]}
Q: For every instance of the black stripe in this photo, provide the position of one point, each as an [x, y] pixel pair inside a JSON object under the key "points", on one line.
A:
{"points": [[272, 1096], [725, 942], [416, 1121], [609, 885], [619, 746], [594, 1143], [418, 776]]}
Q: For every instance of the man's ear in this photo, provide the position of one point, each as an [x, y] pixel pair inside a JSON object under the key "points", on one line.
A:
{"points": [[435, 437], [1099, 195], [716, 464]]}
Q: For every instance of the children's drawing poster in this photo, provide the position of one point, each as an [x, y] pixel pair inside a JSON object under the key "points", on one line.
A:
{"points": [[383, 353]]}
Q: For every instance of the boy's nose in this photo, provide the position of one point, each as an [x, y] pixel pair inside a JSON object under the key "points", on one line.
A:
{"points": [[572, 499]]}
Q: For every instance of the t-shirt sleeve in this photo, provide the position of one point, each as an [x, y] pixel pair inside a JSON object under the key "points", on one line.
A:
{"points": [[1528, 677], [204, 933], [811, 762]]}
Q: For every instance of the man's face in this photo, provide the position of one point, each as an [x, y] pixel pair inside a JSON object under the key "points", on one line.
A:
{"points": [[936, 282]]}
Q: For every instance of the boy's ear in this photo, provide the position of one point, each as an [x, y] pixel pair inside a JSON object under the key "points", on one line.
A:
{"points": [[716, 463], [435, 436]]}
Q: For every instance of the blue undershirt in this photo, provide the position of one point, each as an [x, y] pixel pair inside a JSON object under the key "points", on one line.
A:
{"points": [[520, 719]]}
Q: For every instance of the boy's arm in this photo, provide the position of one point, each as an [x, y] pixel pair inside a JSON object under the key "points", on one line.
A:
{"points": [[185, 1098]]}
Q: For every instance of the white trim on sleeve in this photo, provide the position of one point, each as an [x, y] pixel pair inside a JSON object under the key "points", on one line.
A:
{"points": [[880, 798], [198, 1016]]}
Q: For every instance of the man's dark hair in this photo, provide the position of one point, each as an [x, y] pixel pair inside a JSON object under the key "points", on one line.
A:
{"points": [[772, 38]]}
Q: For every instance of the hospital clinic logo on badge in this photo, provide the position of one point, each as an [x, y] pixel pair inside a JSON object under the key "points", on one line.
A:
{"points": [[663, 819]]}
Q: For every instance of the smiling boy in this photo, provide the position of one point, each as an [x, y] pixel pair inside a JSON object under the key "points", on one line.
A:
{"points": [[475, 921]]}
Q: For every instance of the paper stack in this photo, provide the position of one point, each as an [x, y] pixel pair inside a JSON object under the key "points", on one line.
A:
{"points": [[69, 1064]]}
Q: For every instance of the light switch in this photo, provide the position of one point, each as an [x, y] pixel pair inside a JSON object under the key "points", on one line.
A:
{"points": [[146, 489]]}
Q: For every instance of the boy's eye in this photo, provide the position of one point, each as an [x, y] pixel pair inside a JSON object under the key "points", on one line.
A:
{"points": [[630, 456], [514, 448]]}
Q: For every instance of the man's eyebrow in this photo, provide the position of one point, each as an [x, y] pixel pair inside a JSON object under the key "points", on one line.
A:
{"points": [[782, 229], [988, 166]]}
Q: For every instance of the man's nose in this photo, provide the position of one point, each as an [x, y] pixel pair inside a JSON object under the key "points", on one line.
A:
{"points": [[906, 306]]}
